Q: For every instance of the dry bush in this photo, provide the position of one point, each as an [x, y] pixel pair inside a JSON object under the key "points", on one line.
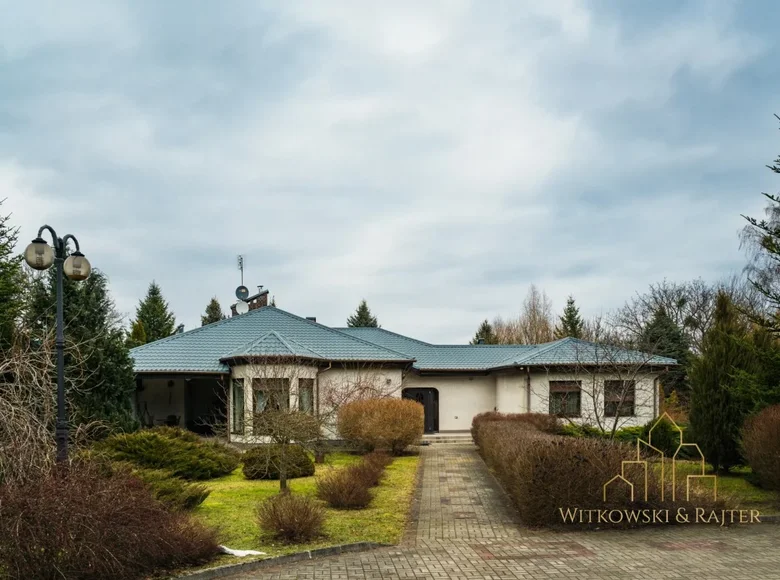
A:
{"points": [[267, 462], [291, 518], [386, 424], [77, 522], [371, 468], [541, 421], [344, 489], [761, 446], [543, 473]]}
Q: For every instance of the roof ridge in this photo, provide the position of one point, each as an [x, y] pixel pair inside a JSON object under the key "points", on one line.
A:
{"points": [[331, 329], [342, 328], [542, 348], [286, 340]]}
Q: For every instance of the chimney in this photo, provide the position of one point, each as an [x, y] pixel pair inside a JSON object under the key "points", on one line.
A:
{"points": [[480, 341], [312, 318], [255, 301], [179, 329]]}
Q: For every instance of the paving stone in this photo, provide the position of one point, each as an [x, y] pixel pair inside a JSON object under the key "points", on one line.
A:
{"points": [[470, 531]]}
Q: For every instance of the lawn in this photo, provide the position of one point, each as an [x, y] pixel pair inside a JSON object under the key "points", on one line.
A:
{"points": [[231, 509], [737, 487]]}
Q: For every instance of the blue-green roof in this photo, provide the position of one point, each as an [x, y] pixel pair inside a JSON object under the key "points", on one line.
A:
{"points": [[269, 331]]}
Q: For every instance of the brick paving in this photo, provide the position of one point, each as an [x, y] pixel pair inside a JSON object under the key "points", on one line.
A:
{"points": [[463, 528]]}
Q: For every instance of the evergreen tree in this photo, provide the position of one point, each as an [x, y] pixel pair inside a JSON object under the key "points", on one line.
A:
{"points": [[11, 283], [153, 313], [716, 415], [98, 367], [663, 337], [213, 313], [137, 335], [362, 317], [485, 333], [571, 323]]}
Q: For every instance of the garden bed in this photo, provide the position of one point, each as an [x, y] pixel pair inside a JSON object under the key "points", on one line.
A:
{"points": [[231, 509]]}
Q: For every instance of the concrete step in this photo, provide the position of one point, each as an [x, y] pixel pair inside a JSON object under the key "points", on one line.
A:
{"points": [[450, 438]]}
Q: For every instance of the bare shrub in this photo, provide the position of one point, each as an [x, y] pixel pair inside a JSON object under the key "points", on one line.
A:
{"points": [[386, 424], [344, 489], [541, 421], [291, 517], [78, 522], [267, 462], [761, 446]]}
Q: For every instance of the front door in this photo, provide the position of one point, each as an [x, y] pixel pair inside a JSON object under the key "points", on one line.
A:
{"points": [[429, 399]]}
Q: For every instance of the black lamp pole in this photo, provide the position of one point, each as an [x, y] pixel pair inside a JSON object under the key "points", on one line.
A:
{"points": [[38, 256]]}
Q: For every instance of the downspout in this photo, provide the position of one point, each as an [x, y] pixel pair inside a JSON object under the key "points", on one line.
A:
{"points": [[527, 390]]}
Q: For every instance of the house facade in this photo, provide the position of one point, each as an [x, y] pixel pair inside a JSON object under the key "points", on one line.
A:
{"points": [[225, 372]]}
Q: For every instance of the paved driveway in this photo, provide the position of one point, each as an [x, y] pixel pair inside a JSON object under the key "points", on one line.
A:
{"points": [[463, 528]]}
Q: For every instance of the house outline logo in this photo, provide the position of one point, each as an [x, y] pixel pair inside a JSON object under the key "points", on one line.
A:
{"points": [[640, 443]]}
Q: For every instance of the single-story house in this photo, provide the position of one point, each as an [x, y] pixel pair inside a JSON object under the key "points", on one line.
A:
{"points": [[227, 371]]}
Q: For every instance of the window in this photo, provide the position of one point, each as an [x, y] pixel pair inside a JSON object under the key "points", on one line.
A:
{"points": [[565, 398], [619, 398], [306, 395], [237, 408], [271, 394]]}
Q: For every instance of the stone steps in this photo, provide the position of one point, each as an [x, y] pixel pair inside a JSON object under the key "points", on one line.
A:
{"points": [[447, 438]]}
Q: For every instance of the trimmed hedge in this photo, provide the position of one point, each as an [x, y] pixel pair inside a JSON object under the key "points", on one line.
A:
{"points": [[387, 424], [265, 462], [544, 473], [180, 452], [761, 446]]}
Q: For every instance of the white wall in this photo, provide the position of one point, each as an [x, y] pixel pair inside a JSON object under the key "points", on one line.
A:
{"points": [[160, 400], [592, 399], [512, 393], [460, 398]]}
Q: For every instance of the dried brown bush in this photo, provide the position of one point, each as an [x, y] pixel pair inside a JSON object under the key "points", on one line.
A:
{"points": [[541, 421], [543, 473], [291, 517], [344, 488], [79, 522], [761, 446], [386, 424]]}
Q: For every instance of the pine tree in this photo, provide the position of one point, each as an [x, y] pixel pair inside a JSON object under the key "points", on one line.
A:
{"points": [[570, 322], [716, 415], [153, 313], [137, 335], [11, 283], [362, 317], [98, 368], [663, 337], [485, 333], [213, 313]]}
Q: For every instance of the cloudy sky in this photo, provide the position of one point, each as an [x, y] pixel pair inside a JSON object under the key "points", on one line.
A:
{"points": [[435, 158]]}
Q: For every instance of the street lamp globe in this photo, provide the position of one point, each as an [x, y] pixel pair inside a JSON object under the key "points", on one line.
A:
{"points": [[77, 267], [39, 255]]}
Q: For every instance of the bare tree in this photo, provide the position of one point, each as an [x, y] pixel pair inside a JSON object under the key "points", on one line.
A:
{"points": [[534, 325]]}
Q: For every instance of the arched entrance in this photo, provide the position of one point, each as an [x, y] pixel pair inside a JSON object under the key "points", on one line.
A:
{"points": [[429, 399]]}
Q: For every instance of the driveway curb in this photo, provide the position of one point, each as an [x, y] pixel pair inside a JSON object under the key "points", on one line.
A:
{"points": [[230, 569]]}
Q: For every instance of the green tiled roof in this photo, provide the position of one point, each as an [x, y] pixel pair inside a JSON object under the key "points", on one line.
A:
{"points": [[201, 349], [269, 331]]}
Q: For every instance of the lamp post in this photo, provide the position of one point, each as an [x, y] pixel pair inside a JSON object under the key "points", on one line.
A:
{"points": [[39, 255]]}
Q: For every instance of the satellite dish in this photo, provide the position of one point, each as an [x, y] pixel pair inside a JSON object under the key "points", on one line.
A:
{"points": [[242, 307], [242, 292]]}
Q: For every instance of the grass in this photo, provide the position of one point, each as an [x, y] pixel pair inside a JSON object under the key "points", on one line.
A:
{"points": [[231, 509], [737, 486]]}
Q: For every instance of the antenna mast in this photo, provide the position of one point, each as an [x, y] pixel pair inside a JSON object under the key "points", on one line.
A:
{"points": [[241, 267]]}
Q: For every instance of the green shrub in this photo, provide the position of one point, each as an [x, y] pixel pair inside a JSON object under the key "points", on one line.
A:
{"points": [[291, 518], [83, 523], [665, 437], [266, 462], [181, 453], [761, 446], [387, 424], [344, 488], [176, 493]]}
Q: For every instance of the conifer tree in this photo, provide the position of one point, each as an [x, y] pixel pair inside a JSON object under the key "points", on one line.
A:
{"points": [[716, 415], [137, 335], [11, 283], [362, 317], [98, 367], [571, 323], [153, 313], [485, 333], [664, 338], [213, 313]]}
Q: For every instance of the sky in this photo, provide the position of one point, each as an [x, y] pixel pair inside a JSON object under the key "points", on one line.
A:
{"points": [[435, 158]]}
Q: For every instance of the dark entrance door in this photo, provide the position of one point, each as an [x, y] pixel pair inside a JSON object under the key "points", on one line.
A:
{"points": [[429, 399]]}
